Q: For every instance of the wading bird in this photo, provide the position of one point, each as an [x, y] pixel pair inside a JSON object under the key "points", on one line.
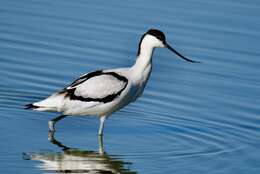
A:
{"points": [[103, 92]]}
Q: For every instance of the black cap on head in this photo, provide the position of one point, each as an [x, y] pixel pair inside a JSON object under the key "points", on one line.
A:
{"points": [[158, 34]]}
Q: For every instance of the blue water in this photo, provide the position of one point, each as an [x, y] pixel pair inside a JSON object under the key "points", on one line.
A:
{"points": [[192, 118]]}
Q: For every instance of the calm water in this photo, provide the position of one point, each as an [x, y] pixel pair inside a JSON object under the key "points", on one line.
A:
{"points": [[192, 118]]}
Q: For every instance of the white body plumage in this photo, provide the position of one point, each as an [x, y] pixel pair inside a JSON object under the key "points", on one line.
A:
{"points": [[97, 87]]}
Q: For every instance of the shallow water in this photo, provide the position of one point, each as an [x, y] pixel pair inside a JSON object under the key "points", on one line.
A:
{"points": [[192, 118]]}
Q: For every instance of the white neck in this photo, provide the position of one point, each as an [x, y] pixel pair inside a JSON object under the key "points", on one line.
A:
{"points": [[144, 59]]}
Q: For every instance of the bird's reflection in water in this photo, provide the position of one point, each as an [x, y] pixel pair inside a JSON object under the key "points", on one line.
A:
{"points": [[71, 160]]}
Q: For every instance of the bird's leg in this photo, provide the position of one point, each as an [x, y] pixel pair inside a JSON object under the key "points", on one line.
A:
{"points": [[52, 122], [101, 126], [101, 146], [53, 140]]}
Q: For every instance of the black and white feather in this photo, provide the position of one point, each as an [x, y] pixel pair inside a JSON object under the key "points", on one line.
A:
{"points": [[101, 87]]}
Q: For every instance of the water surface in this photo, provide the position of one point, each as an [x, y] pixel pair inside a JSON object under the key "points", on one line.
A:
{"points": [[192, 118]]}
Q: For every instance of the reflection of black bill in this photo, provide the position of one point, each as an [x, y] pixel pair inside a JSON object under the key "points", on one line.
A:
{"points": [[173, 50]]}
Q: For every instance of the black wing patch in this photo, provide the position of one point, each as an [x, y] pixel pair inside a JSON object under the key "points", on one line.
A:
{"points": [[71, 91], [84, 78]]}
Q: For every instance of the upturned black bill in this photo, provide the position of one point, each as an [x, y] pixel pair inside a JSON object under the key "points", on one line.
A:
{"points": [[173, 50]]}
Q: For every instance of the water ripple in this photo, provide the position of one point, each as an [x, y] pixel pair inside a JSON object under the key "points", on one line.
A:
{"points": [[199, 117]]}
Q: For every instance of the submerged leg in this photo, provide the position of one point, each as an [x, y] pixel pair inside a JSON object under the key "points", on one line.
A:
{"points": [[53, 140], [101, 126], [101, 146], [52, 122]]}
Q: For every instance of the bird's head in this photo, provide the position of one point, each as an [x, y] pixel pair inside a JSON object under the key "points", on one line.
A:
{"points": [[156, 39]]}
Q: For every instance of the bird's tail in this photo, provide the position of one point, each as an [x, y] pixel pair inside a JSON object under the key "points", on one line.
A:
{"points": [[35, 107], [30, 106], [52, 103]]}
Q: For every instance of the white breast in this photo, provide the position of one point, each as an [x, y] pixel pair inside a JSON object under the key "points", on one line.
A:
{"points": [[141, 81]]}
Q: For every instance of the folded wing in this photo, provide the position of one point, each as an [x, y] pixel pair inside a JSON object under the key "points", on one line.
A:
{"points": [[97, 86]]}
